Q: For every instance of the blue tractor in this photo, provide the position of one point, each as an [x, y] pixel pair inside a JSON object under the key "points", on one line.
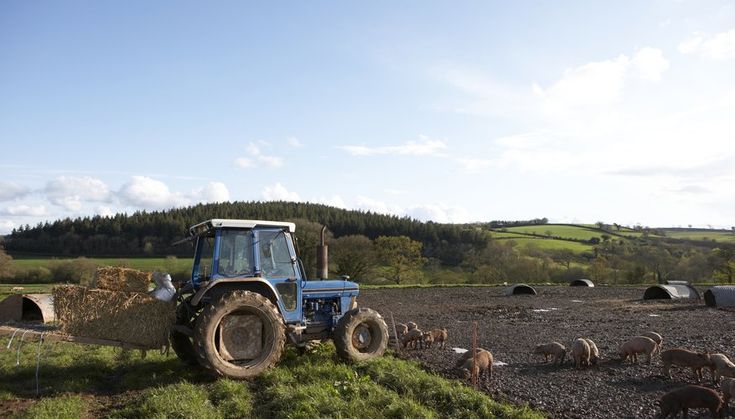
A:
{"points": [[249, 295]]}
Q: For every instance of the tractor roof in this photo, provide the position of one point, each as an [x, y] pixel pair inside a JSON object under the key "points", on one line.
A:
{"points": [[217, 223]]}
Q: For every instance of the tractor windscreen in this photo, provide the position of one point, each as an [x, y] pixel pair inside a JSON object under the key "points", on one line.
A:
{"points": [[275, 257], [236, 253]]}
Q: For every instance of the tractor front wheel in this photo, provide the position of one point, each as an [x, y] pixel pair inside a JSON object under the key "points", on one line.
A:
{"points": [[239, 336], [360, 334]]}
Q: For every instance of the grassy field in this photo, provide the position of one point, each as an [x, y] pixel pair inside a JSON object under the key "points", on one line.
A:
{"points": [[86, 381], [6, 289], [709, 235], [541, 243], [566, 231]]}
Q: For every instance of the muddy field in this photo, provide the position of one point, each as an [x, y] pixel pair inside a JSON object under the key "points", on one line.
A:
{"points": [[511, 326]]}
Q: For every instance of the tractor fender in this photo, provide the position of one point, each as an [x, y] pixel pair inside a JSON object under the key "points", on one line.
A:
{"points": [[221, 286]]}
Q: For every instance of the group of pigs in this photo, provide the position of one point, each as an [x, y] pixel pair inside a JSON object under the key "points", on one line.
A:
{"points": [[584, 353]]}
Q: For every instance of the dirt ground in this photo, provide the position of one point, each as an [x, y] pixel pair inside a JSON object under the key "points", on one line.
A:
{"points": [[510, 327]]}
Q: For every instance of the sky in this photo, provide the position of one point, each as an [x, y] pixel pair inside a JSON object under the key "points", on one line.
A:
{"points": [[463, 111]]}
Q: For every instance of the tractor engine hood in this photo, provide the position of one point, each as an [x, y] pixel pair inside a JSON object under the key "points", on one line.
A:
{"points": [[328, 288]]}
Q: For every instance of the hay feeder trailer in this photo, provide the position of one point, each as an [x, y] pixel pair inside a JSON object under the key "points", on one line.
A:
{"points": [[249, 295]]}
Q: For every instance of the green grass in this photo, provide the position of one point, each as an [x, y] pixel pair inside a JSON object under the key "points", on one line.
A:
{"points": [[88, 381], [6, 289], [708, 235], [144, 264], [69, 406], [566, 231]]}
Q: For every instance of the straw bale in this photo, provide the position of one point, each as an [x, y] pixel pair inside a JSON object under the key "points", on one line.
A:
{"points": [[126, 317], [114, 278]]}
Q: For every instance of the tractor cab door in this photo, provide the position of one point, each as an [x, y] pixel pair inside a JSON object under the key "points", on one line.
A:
{"points": [[276, 261]]}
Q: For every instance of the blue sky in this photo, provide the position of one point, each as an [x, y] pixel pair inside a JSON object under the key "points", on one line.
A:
{"points": [[579, 111]]}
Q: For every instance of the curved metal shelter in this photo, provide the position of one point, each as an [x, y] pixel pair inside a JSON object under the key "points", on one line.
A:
{"points": [[720, 296], [27, 308], [671, 292], [520, 289], [581, 283]]}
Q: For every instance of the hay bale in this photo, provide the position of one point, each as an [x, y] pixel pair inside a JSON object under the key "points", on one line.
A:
{"points": [[126, 317], [114, 278]]}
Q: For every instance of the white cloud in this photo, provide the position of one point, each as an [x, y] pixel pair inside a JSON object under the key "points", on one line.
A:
{"points": [[25, 211], [11, 190], [474, 165], [439, 213], [369, 204], [256, 158], [7, 226], [603, 82], [105, 211], [333, 201], [720, 46], [71, 191], [424, 147], [294, 142], [279, 192], [145, 192], [213, 192]]}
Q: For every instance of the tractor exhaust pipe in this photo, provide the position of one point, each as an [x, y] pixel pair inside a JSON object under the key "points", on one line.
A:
{"points": [[322, 257]]}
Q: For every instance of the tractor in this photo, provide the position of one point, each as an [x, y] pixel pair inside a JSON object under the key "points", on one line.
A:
{"points": [[249, 295]]}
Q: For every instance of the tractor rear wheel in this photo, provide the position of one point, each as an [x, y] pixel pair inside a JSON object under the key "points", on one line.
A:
{"points": [[239, 336], [361, 334], [181, 343]]}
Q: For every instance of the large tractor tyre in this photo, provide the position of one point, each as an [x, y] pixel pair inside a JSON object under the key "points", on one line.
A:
{"points": [[249, 322], [181, 343], [361, 334]]}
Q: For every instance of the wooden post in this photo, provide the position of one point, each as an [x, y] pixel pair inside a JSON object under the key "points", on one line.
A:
{"points": [[395, 332], [474, 354]]}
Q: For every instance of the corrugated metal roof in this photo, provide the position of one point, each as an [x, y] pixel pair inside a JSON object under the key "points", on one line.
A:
{"points": [[582, 283], [720, 296], [518, 289], [670, 292]]}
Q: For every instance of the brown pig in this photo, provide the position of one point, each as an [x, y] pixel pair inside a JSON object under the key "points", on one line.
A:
{"points": [[412, 338], [440, 336], [594, 352], [483, 362], [685, 358], [401, 330], [721, 366], [555, 349], [427, 339], [635, 346], [580, 353], [690, 397], [656, 338]]}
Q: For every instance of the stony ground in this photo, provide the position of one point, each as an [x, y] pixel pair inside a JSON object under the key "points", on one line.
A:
{"points": [[511, 326]]}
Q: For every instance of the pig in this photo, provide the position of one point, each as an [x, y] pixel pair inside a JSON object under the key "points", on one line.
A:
{"points": [[691, 396], [401, 330], [483, 362], [656, 338], [685, 358], [594, 352], [411, 325], [427, 339], [555, 349], [440, 336], [721, 367], [728, 389], [580, 353], [412, 338], [635, 346]]}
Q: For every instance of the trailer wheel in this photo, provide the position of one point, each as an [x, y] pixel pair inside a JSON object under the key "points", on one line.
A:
{"points": [[181, 343], [239, 336], [361, 334]]}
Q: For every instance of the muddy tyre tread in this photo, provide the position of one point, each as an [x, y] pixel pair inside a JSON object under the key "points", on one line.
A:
{"points": [[214, 312], [345, 328], [181, 343]]}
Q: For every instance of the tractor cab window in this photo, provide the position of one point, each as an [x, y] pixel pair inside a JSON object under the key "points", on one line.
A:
{"points": [[275, 257], [236, 253], [205, 246]]}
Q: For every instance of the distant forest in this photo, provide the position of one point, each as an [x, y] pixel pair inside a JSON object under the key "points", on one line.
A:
{"points": [[152, 233]]}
